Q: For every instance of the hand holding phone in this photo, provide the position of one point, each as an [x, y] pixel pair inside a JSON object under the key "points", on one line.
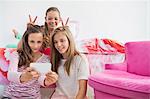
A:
{"points": [[42, 68]]}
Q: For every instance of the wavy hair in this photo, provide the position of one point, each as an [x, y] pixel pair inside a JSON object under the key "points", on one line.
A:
{"points": [[25, 57], [47, 37]]}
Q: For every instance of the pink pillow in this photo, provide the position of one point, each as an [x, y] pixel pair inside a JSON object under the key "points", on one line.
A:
{"points": [[138, 57]]}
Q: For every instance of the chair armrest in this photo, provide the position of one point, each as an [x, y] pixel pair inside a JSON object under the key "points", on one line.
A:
{"points": [[117, 66]]}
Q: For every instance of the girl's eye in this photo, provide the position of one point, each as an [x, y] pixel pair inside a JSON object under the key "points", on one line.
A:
{"points": [[55, 42], [32, 41], [50, 18], [56, 18], [62, 40], [39, 42]]}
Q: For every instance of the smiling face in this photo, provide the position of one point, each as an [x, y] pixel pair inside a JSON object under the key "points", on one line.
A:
{"points": [[61, 43], [52, 19], [35, 41]]}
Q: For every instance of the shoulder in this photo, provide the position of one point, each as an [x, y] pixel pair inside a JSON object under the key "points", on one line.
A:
{"points": [[80, 58]]}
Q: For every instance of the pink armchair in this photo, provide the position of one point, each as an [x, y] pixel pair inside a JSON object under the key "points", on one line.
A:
{"points": [[128, 80]]}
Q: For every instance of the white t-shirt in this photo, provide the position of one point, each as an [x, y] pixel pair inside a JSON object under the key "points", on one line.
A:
{"points": [[69, 85]]}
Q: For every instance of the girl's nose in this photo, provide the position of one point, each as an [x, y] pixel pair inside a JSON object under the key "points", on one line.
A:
{"points": [[35, 45], [58, 44]]}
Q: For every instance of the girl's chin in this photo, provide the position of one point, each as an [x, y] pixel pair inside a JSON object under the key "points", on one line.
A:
{"points": [[51, 26], [60, 52], [36, 51]]}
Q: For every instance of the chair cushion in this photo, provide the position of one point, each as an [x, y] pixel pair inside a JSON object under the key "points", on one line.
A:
{"points": [[138, 57], [122, 79]]}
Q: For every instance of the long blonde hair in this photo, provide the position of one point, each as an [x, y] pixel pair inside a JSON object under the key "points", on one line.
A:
{"points": [[71, 52]]}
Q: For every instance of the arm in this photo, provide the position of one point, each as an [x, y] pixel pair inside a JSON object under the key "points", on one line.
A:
{"points": [[82, 89], [20, 77], [13, 74], [82, 77], [48, 79], [51, 78], [17, 35], [19, 44]]}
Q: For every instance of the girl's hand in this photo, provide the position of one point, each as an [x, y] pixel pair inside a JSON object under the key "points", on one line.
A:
{"points": [[51, 77], [15, 32], [31, 21], [29, 74]]}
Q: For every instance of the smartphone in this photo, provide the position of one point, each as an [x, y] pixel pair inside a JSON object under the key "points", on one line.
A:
{"points": [[41, 67]]}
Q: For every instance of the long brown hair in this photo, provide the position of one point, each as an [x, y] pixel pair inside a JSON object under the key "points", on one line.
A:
{"points": [[48, 10], [71, 52], [25, 57], [46, 29]]}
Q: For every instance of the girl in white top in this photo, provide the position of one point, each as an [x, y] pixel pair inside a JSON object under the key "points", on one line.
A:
{"points": [[71, 66]]}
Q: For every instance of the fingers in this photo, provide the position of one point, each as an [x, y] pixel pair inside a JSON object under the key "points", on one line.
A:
{"points": [[52, 76], [33, 72], [30, 19], [67, 21], [51, 73], [14, 31], [35, 19], [50, 80], [29, 69]]}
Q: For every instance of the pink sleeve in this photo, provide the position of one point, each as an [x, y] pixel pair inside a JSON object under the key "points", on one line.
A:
{"points": [[13, 74]]}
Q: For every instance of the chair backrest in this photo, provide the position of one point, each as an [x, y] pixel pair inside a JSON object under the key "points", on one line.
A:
{"points": [[138, 57]]}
